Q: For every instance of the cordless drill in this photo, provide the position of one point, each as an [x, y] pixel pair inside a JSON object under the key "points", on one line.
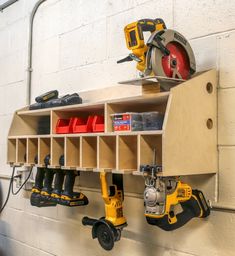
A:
{"points": [[67, 196], [41, 181]]}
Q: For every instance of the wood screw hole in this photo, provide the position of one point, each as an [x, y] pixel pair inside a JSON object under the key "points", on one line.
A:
{"points": [[209, 87], [209, 123]]}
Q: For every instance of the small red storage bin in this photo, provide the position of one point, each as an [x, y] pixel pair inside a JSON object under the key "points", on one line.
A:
{"points": [[82, 124], [64, 125], [98, 124]]}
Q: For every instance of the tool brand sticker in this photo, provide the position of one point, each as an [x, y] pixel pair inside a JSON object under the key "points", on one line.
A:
{"points": [[180, 38]]}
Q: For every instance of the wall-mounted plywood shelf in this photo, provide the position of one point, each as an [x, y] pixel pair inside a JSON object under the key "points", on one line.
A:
{"points": [[186, 145]]}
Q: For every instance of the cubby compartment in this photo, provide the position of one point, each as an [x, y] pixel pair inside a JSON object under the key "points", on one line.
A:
{"points": [[127, 152], [30, 125], [44, 149], [72, 155], [181, 144], [148, 104], [89, 152], [57, 150], [21, 151], [82, 113], [32, 150], [11, 151], [150, 149], [107, 152]]}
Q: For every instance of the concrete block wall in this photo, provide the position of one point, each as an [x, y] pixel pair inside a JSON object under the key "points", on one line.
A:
{"points": [[76, 46]]}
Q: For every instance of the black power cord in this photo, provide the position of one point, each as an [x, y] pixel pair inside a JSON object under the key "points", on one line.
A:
{"points": [[10, 188], [22, 185]]}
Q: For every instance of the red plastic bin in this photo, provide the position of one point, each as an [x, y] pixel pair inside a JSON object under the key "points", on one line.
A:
{"points": [[98, 124], [64, 125], [82, 125]]}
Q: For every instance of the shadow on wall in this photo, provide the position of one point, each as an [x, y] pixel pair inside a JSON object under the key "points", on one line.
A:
{"points": [[5, 244]]}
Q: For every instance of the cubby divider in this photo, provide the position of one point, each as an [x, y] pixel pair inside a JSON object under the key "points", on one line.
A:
{"points": [[21, 151], [72, 152], [150, 149], [44, 149], [107, 152], [32, 150], [57, 150], [127, 152], [89, 152], [11, 151]]}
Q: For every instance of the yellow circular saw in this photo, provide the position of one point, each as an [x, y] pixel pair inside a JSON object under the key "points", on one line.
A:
{"points": [[167, 53]]}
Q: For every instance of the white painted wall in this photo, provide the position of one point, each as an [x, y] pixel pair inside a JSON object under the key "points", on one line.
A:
{"points": [[76, 46]]}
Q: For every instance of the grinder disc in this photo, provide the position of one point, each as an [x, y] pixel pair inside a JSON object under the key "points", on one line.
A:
{"points": [[180, 63]]}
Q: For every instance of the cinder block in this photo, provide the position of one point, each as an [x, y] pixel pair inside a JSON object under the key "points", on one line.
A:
{"points": [[4, 41], [199, 18], [207, 236], [11, 247], [13, 67], [43, 83], [226, 175], [113, 7], [151, 9], [12, 14], [15, 95], [206, 52], [2, 101], [46, 56], [116, 44], [84, 45], [49, 13], [76, 14], [226, 60], [155, 9], [226, 119], [18, 32]]}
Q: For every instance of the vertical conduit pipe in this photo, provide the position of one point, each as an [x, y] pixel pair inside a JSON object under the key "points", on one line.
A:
{"points": [[30, 50], [7, 4]]}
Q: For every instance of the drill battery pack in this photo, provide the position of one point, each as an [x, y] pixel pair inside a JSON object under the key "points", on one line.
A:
{"points": [[69, 99]]}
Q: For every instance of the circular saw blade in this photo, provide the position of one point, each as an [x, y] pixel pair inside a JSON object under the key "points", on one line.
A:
{"points": [[180, 63]]}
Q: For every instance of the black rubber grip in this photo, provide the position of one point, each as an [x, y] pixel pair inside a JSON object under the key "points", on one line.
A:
{"points": [[203, 203], [49, 175], [86, 221], [69, 182], [190, 208], [59, 180], [39, 178]]}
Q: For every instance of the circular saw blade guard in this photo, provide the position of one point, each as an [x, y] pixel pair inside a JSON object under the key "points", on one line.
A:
{"points": [[171, 55]]}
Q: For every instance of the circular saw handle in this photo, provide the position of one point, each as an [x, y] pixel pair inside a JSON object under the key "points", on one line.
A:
{"points": [[151, 25]]}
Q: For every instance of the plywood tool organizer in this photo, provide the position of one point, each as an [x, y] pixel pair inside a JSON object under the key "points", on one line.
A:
{"points": [[187, 143]]}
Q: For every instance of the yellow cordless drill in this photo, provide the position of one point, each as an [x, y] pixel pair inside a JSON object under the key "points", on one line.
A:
{"points": [[108, 229]]}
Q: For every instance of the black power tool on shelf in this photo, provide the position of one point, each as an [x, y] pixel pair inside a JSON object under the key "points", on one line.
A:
{"points": [[50, 99]]}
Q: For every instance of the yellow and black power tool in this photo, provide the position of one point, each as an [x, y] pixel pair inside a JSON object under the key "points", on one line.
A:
{"points": [[162, 194], [167, 53], [108, 229]]}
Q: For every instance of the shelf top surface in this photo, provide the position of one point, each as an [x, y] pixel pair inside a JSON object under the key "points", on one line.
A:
{"points": [[144, 99]]}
